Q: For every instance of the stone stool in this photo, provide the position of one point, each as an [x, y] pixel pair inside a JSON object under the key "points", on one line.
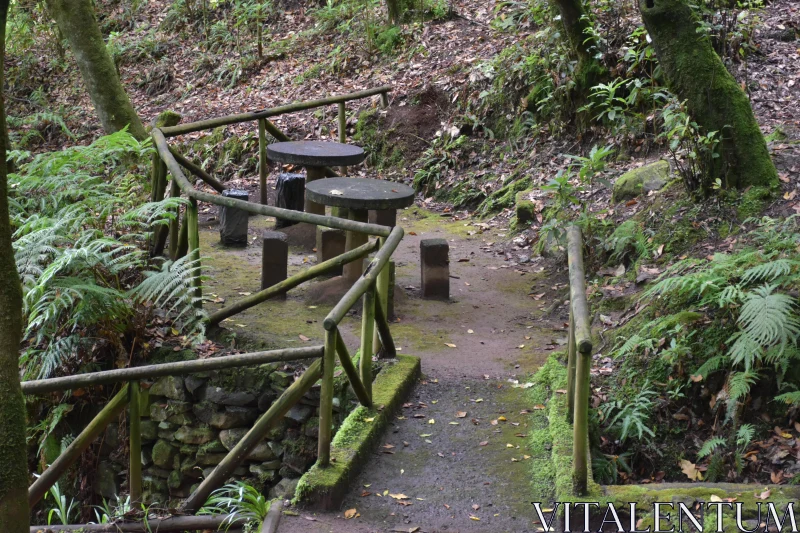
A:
{"points": [[290, 193], [274, 259], [232, 221], [435, 266], [330, 243]]}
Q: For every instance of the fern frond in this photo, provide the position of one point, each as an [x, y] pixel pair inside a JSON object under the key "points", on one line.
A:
{"points": [[709, 446], [768, 318]]}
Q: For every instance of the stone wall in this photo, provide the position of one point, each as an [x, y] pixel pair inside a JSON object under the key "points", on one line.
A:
{"points": [[190, 423]]}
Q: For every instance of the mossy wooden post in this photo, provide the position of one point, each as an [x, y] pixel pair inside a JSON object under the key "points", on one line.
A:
{"points": [[73, 452], [262, 159], [326, 399], [352, 373], [384, 100], [175, 223], [715, 100], [367, 332], [183, 239], [342, 131], [583, 345], [571, 361], [135, 431], [382, 298], [193, 229]]}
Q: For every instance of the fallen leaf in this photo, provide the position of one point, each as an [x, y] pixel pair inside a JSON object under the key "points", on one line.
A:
{"points": [[764, 495], [461, 414], [350, 513], [450, 345], [473, 517], [691, 471], [304, 338], [399, 496], [483, 443], [475, 506]]}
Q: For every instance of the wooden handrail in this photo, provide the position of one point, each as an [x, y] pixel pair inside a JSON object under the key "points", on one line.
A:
{"points": [[286, 214], [121, 375], [191, 127]]}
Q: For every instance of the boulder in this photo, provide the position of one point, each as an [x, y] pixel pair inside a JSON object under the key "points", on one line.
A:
{"points": [[642, 180], [211, 393], [164, 453], [106, 483], [190, 435], [231, 437], [149, 430], [299, 413], [284, 489], [170, 386]]}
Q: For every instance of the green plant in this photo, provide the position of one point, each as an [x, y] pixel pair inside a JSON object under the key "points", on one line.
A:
{"points": [[81, 228], [112, 511], [62, 511], [745, 298], [627, 242], [693, 151], [238, 500], [630, 417]]}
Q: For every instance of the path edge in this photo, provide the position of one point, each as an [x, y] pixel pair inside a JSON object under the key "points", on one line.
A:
{"points": [[325, 488]]}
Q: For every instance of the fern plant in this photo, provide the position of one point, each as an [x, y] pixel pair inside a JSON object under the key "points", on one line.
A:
{"points": [[745, 322], [81, 225], [630, 418]]}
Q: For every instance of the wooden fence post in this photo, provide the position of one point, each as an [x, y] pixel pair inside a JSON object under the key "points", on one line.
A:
{"points": [[193, 228], [367, 332], [326, 399], [135, 434], [262, 159]]}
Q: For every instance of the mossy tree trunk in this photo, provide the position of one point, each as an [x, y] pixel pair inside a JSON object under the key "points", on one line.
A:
{"points": [[714, 99], [13, 453], [393, 11], [582, 42], [76, 20]]}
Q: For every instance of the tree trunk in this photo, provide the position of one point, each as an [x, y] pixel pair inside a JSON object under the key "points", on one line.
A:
{"points": [[715, 101], [393, 11], [581, 41], [13, 452], [76, 20]]}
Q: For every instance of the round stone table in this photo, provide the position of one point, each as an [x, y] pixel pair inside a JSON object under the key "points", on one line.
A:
{"points": [[315, 156], [359, 196]]}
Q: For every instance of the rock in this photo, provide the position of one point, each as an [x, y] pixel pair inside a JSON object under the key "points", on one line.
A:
{"points": [[524, 208], [189, 435], [218, 395], [106, 484], [170, 386], [272, 465], [164, 453], [193, 383], [149, 430], [278, 431], [299, 413], [154, 484], [264, 475], [265, 400], [147, 457], [111, 437], [298, 462], [215, 446], [642, 180], [166, 118], [189, 468], [311, 428], [167, 431], [174, 480], [281, 379], [276, 447], [227, 418], [284, 489], [172, 411], [262, 452], [205, 458], [231, 437]]}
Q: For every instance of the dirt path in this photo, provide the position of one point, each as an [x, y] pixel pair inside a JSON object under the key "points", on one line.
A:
{"points": [[469, 473]]}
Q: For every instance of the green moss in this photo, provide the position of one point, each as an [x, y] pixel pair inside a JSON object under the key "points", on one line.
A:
{"points": [[752, 202], [524, 209], [360, 431], [552, 376], [167, 118], [504, 197]]}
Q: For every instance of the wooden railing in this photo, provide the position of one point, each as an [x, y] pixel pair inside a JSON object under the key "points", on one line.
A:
{"points": [[579, 362], [372, 287]]}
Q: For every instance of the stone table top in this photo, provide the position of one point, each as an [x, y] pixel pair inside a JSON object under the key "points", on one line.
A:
{"points": [[360, 193], [316, 153]]}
